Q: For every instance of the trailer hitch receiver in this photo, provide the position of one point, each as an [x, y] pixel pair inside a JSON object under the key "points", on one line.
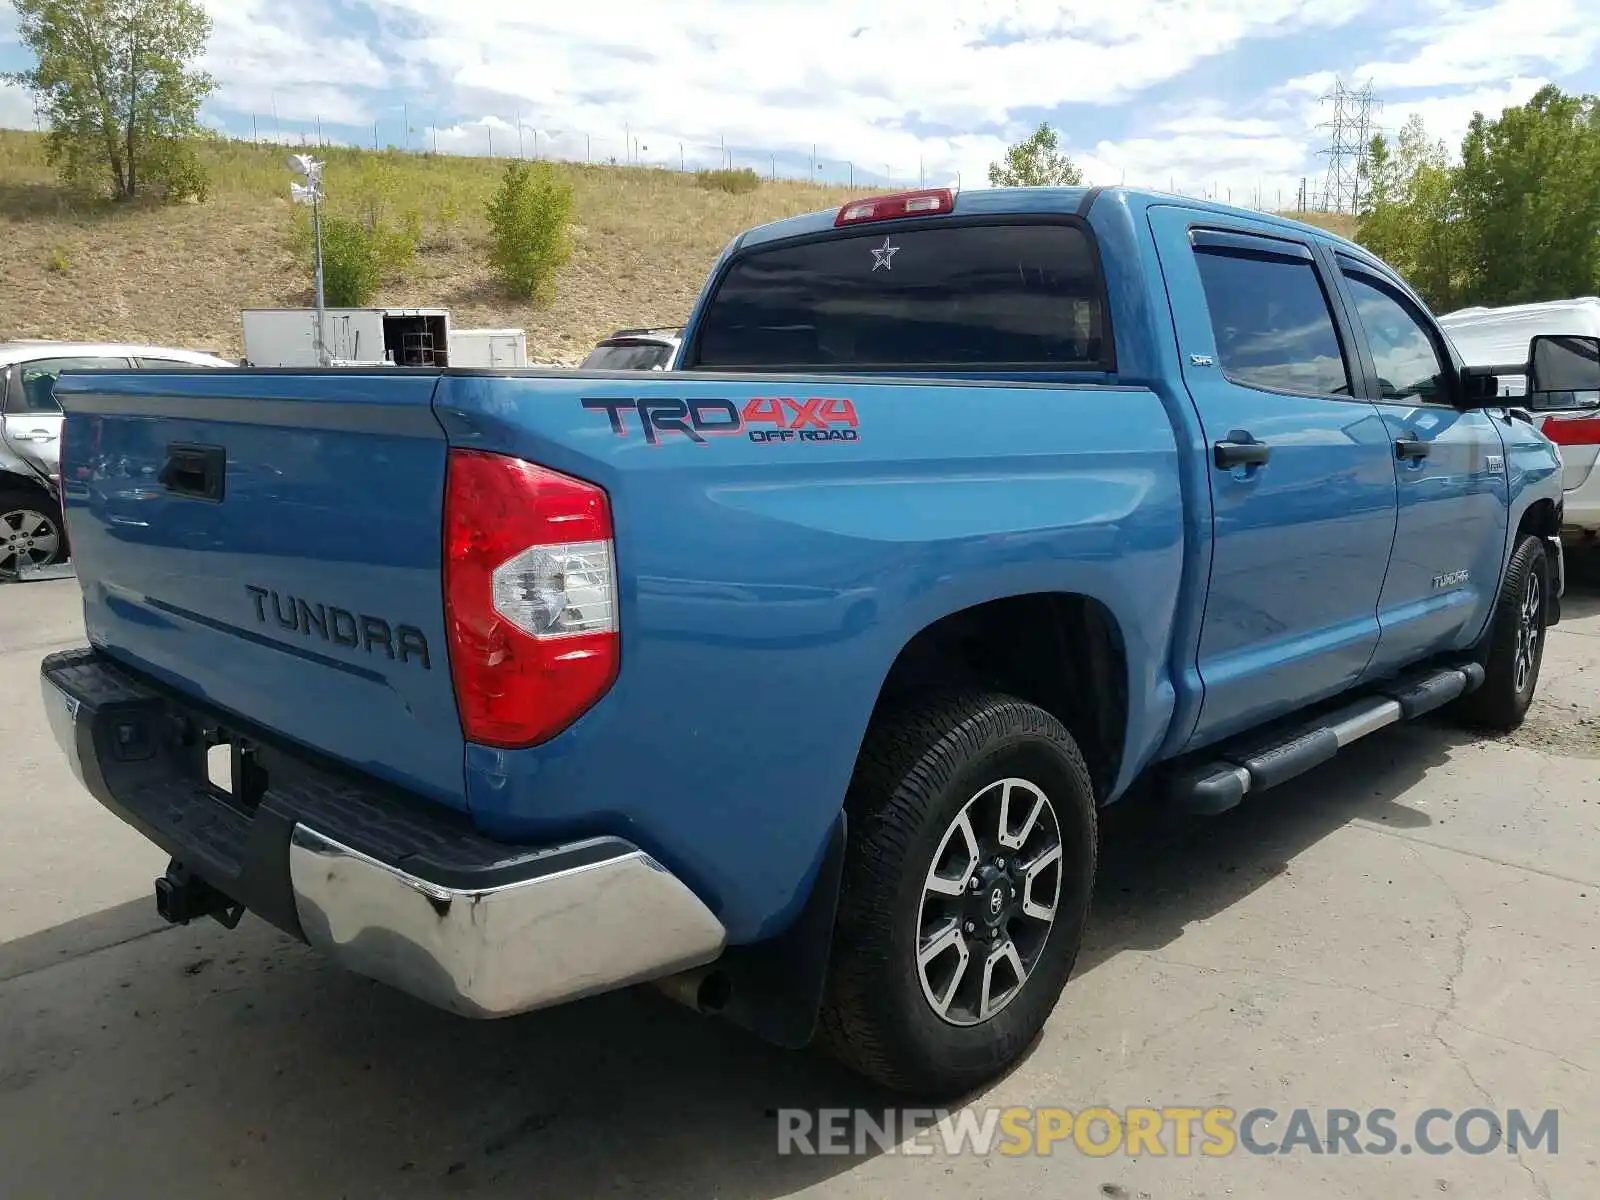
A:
{"points": [[182, 896]]}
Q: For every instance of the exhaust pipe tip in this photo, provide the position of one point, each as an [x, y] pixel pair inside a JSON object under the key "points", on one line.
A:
{"points": [[704, 989]]}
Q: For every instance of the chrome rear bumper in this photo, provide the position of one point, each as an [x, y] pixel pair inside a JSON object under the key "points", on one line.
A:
{"points": [[601, 915], [478, 927]]}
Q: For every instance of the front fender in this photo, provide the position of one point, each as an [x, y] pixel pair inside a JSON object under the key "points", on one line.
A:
{"points": [[1533, 474]]}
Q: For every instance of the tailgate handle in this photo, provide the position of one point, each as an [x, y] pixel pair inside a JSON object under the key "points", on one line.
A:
{"points": [[196, 471]]}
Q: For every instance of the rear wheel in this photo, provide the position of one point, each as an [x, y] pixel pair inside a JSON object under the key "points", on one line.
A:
{"points": [[1516, 643], [966, 889], [30, 532]]}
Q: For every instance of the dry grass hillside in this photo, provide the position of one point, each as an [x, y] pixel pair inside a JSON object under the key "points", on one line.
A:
{"points": [[77, 268], [72, 267]]}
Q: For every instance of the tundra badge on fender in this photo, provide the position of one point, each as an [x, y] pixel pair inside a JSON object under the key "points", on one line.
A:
{"points": [[354, 631]]}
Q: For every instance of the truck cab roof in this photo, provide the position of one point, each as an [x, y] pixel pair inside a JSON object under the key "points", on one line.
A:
{"points": [[1017, 201]]}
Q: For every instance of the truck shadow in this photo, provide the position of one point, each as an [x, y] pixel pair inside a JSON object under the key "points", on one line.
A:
{"points": [[243, 1062], [1160, 872]]}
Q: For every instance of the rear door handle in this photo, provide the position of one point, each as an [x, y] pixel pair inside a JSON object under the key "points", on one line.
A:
{"points": [[1239, 449], [34, 435], [1412, 447]]}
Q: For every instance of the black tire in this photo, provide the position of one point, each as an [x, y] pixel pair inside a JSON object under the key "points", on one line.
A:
{"points": [[919, 771], [19, 509], [1511, 668]]}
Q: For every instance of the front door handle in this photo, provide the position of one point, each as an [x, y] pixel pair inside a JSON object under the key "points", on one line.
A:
{"points": [[34, 435], [1412, 447], [1239, 449]]}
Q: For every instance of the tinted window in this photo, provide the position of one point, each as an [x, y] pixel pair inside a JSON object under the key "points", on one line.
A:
{"points": [[967, 295], [1407, 362], [1272, 324], [628, 356], [34, 383]]}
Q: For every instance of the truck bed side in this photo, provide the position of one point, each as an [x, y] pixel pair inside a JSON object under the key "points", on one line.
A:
{"points": [[768, 585]]}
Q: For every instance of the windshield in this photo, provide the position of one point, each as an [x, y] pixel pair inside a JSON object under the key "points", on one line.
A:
{"points": [[1017, 295], [628, 356]]}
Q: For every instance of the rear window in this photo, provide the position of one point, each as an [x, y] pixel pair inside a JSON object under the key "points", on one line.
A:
{"points": [[1019, 295], [628, 356]]}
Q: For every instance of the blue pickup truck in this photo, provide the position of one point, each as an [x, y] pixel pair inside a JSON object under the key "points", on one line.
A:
{"points": [[793, 680]]}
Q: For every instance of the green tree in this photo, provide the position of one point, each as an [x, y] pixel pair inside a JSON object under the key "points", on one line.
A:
{"points": [[1036, 161], [1529, 192], [1410, 214], [530, 219], [113, 79]]}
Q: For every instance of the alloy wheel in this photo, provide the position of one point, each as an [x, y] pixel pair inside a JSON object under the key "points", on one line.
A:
{"points": [[1530, 628], [989, 901], [28, 538]]}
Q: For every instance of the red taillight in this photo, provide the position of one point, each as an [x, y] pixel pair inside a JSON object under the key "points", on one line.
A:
{"points": [[1573, 431], [926, 203], [530, 597]]}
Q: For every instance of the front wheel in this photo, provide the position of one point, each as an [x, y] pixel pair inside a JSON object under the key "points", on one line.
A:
{"points": [[1516, 643], [966, 889]]}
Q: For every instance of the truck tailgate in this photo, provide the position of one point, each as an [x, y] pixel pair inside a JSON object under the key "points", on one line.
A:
{"points": [[271, 543]]}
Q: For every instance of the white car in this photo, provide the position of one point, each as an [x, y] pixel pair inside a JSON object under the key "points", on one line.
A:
{"points": [[1499, 337], [31, 533], [636, 350]]}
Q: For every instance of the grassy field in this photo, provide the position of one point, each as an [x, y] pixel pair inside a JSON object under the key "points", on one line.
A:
{"points": [[77, 268]]}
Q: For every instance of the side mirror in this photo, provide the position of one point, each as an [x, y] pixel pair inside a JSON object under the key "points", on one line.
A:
{"points": [[1480, 387], [1563, 372]]}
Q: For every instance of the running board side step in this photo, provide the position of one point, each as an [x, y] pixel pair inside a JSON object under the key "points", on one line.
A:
{"points": [[1254, 765]]}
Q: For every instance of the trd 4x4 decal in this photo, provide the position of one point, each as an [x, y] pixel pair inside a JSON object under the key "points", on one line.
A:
{"points": [[762, 419]]}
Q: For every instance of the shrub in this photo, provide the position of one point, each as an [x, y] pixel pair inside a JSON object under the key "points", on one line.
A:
{"points": [[175, 168], [358, 253], [352, 263], [724, 179], [58, 262], [397, 248], [530, 218]]}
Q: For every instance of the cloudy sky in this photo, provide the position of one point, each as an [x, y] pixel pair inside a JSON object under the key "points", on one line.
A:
{"points": [[1200, 95]]}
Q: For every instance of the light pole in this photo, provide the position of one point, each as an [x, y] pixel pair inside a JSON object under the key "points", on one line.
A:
{"points": [[310, 192]]}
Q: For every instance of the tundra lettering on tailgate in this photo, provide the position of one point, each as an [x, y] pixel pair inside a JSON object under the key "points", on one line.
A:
{"points": [[762, 419], [355, 631]]}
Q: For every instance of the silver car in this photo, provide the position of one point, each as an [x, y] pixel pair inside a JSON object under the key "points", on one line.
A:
{"points": [[636, 350], [31, 532]]}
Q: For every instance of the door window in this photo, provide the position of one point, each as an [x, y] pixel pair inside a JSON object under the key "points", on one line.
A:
{"points": [[1272, 323], [1403, 352], [33, 384]]}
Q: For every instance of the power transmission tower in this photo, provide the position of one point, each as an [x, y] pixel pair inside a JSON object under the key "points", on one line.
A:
{"points": [[1349, 133]]}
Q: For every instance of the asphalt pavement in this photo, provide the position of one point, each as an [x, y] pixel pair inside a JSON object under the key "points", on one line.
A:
{"points": [[1413, 927]]}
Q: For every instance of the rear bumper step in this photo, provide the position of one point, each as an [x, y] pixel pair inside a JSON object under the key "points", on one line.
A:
{"points": [[1255, 766], [383, 884]]}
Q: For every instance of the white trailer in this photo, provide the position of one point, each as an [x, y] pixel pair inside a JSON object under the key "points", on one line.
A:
{"points": [[494, 348], [402, 337]]}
